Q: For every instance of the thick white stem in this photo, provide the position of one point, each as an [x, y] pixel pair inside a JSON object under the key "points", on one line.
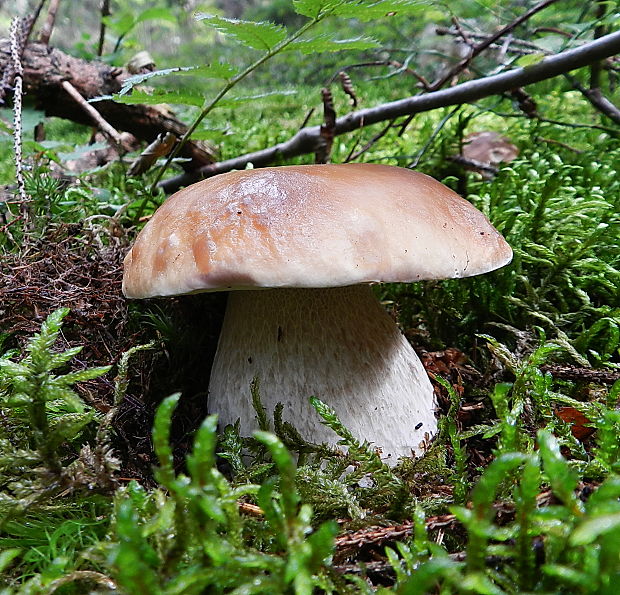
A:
{"points": [[337, 344]]}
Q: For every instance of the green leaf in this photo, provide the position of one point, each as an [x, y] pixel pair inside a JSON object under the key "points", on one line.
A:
{"points": [[134, 557], [213, 71], [286, 467], [325, 43], [562, 478], [234, 101], [7, 556], [591, 529], [202, 459], [41, 342], [68, 427], [310, 8], [161, 438], [13, 369], [159, 14], [256, 35], [156, 97], [370, 10], [82, 375], [530, 59]]}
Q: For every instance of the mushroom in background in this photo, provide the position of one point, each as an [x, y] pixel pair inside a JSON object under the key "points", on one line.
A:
{"points": [[298, 248], [484, 151]]}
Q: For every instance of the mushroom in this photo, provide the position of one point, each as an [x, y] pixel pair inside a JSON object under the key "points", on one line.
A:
{"points": [[484, 151], [298, 247]]}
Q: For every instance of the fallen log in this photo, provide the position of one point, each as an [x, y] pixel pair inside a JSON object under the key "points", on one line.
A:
{"points": [[45, 69]]}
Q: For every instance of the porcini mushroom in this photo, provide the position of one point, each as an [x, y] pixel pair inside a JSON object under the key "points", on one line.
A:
{"points": [[298, 248]]}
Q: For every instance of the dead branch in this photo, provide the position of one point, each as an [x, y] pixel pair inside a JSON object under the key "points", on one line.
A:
{"points": [[48, 26], [479, 48], [105, 12], [597, 99], [306, 140], [45, 69], [108, 131]]}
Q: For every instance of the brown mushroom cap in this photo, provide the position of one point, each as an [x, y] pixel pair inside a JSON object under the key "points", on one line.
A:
{"points": [[310, 226]]}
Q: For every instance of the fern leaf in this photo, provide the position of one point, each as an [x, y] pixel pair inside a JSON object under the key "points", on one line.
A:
{"points": [[363, 10], [157, 97], [234, 101], [312, 8], [212, 71], [257, 35], [324, 43], [369, 10]]}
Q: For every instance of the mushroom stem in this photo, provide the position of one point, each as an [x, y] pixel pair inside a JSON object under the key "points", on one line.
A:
{"points": [[337, 344]]}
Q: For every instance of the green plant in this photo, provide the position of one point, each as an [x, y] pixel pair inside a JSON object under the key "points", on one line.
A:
{"points": [[43, 415], [196, 537]]}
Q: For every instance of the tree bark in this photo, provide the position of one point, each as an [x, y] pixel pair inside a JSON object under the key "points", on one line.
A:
{"points": [[46, 68]]}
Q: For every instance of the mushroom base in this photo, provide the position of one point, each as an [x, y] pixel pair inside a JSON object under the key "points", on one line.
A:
{"points": [[337, 344]]}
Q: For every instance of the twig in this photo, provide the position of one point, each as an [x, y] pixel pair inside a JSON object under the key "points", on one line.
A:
{"points": [[597, 99], [579, 374], [522, 46], [478, 49], [473, 164], [552, 141], [433, 136], [109, 132], [353, 156], [305, 140], [379, 535], [105, 12], [48, 26], [599, 31], [393, 63]]}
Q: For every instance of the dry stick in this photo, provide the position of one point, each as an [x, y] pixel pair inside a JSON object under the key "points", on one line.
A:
{"points": [[477, 49], [519, 45], [48, 26], [599, 31], [305, 141], [597, 99], [353, 156], [109, 132], [105, 12], [393, 63]]}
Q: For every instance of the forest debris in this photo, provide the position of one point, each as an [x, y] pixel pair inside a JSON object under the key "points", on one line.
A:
{"points": [[108, 131], [347, 87], [99, 156], [326, 136], [379, 536], [580, 374], [61, 269], [45, 70], [160, 147], [577, 421]]}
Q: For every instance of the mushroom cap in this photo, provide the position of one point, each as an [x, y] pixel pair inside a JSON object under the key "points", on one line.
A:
{"points": [[310, 226], [489, 147]]}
